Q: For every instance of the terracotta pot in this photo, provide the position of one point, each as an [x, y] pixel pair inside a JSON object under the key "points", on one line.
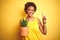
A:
{"points": [[24, 31]]}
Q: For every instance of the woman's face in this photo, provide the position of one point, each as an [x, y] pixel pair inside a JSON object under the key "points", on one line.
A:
{"points": [[30, 11]]}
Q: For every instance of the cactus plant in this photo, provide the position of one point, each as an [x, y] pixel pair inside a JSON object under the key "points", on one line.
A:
{"points": [[23, 28], [24, 23]]}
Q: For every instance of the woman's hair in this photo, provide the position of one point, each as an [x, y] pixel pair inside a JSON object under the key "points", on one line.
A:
{"points": [[30, 4]]}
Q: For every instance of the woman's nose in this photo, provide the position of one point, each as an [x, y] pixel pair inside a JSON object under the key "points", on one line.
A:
{"points": [[30, 11]]}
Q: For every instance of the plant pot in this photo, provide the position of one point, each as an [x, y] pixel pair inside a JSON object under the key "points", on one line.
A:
{"points": [[24, 31]]}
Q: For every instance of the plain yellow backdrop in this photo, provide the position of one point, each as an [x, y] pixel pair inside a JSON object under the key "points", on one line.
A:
{"points": [[13, 10]]}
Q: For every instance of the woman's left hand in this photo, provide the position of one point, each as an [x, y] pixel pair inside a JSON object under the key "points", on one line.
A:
{"points": [[44, 19]]}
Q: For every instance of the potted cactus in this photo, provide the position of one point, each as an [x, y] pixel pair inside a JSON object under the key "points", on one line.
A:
{"points": [[24, 27]]}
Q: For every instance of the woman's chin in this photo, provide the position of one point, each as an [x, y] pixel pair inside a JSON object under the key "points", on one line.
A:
{"points": [[30, 15]]}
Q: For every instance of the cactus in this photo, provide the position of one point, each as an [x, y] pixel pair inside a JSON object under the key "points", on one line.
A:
{"points": [[24, 23]]}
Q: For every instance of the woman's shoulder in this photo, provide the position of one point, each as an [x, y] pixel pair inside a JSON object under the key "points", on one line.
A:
{"points": [[37, 19]]}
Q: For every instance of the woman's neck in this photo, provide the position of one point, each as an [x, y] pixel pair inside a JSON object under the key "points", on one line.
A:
{"points": [[30, 18]]}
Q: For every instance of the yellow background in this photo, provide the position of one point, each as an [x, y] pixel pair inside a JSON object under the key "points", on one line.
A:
{"points": [[13, 10]]}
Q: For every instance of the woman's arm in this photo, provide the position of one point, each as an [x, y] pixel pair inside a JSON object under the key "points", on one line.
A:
{"points": [[42, 26]]}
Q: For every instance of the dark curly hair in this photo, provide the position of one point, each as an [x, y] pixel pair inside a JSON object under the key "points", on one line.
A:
{"points": [[30, 4]]}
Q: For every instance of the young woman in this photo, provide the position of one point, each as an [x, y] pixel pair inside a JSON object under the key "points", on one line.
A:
{"points": [[35, 25]]}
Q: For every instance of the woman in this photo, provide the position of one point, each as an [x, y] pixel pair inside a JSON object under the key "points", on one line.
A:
{"points": [[35, 25]]}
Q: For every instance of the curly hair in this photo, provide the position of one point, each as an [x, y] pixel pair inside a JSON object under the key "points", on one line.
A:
{"points": [[30, 4]]}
